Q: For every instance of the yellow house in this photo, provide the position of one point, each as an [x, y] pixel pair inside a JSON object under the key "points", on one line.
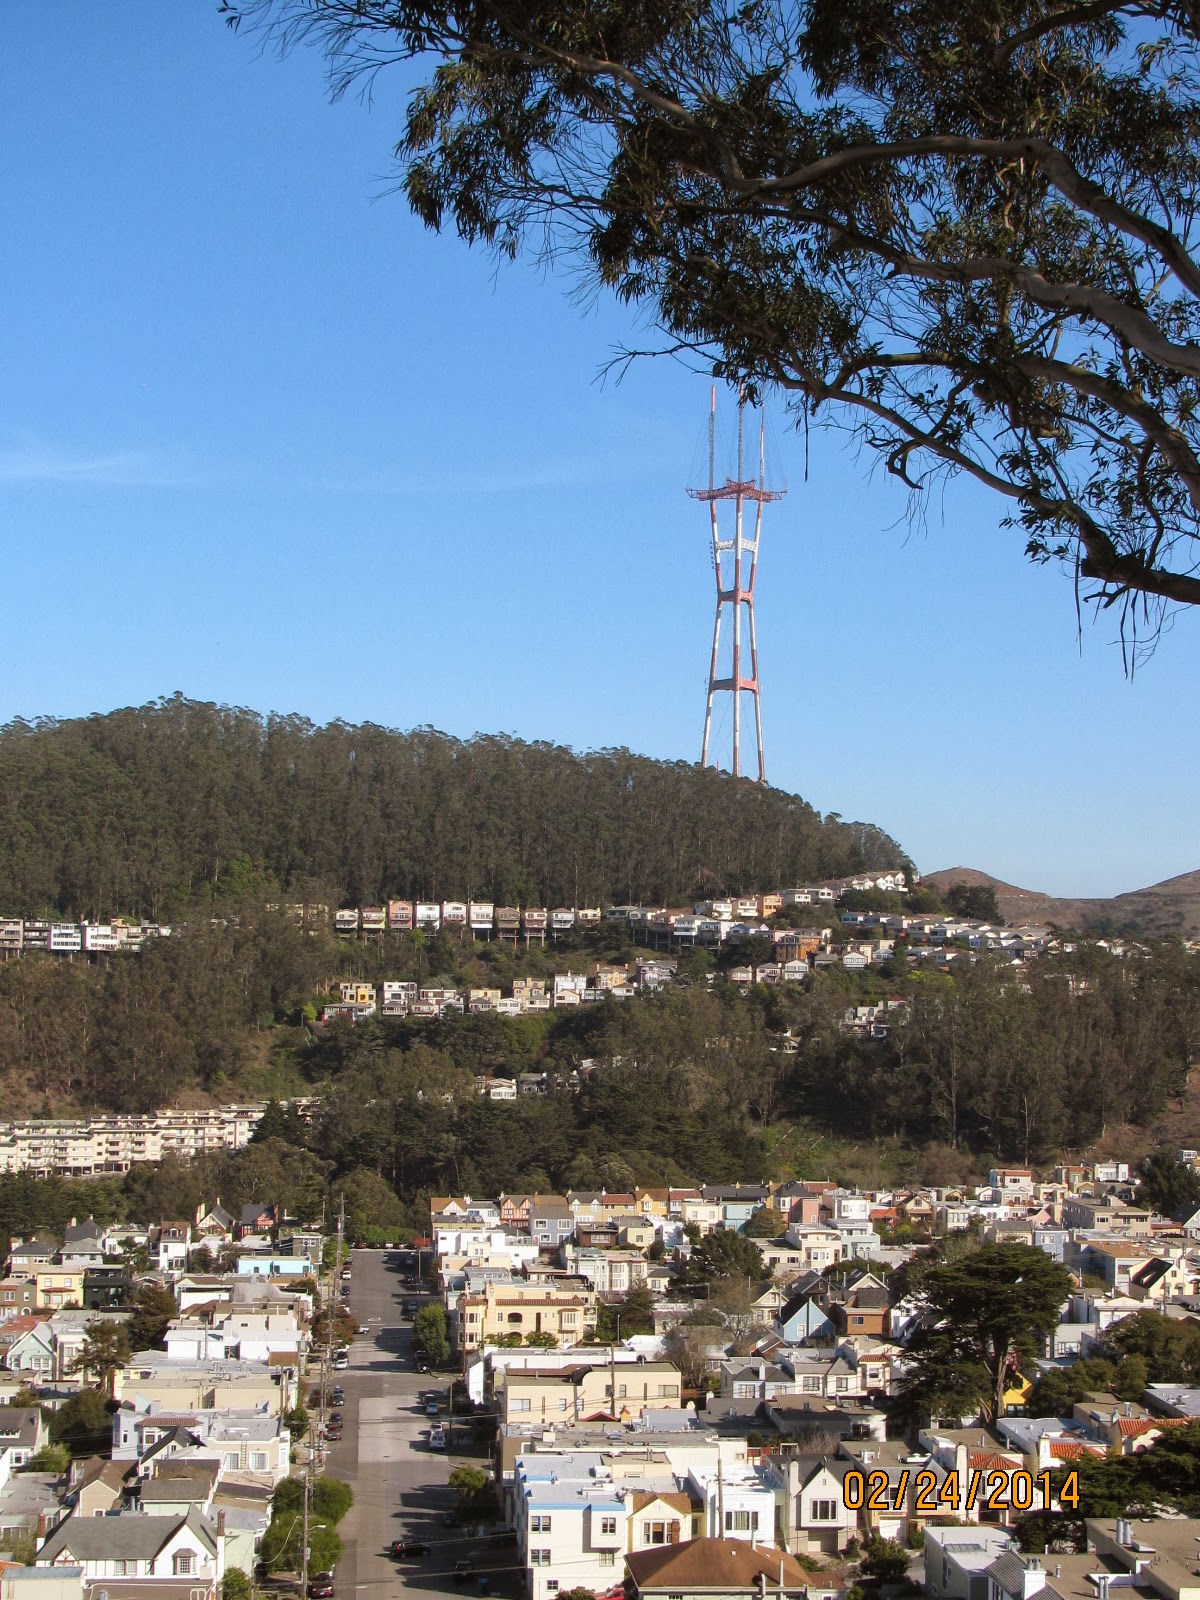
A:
{"points": [[637, 1235], [1018, 1391], [524, 1309], [55, 1287]]}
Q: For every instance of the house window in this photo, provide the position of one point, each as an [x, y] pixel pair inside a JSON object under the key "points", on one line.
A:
{"points": [[608, 1558], [858, 1321], [569, 1318], [608, 1525], [258, 1461], [823, 1511], [668, 1391], [551, 1585], [812, 1385], [841, 1385], [539, 1558], [181, 1564], [520, 1404], [539, 1524], [741, 1521], [515, 1317], [622, 1391], [654, 1533]]}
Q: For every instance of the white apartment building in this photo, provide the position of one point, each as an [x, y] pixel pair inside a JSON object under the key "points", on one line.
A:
{"points": [[84, 1146]]}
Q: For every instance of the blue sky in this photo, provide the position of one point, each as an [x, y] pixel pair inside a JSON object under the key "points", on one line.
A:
{"points": [[265, 440]]}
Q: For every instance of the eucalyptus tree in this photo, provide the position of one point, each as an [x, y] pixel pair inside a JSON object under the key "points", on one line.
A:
{"points": [[963, 229]]}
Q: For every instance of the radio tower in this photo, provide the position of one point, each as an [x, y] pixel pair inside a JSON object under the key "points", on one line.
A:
{"points": [[735, 582]]}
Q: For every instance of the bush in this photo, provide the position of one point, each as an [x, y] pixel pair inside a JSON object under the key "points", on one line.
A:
{"points": [[50, 1458], [884, 1560]]}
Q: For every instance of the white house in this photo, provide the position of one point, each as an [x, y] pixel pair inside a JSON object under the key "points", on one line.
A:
{"points": [[138, 1546]]}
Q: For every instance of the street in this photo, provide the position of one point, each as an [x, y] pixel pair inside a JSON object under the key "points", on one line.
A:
{"points": [[400, 1485]]}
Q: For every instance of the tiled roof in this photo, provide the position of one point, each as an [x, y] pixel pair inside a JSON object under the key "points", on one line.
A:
{"points": [[729, 1564], [641, 1498], [1134, 1427]]}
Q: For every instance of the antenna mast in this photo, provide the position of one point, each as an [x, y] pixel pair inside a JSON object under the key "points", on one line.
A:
{"points": [[735, 565]]}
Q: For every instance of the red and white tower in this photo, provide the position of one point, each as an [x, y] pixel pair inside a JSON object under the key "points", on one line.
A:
{"points": [[735, 564]]}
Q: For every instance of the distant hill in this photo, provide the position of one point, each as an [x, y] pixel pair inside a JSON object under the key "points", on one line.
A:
{"points": [[155, 808], [1169, 907]]}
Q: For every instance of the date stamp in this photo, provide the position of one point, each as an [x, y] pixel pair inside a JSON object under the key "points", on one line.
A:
{"points": [[988, 1490]]}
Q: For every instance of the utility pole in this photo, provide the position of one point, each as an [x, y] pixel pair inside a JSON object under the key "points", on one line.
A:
{"points": [[612, 1367]]}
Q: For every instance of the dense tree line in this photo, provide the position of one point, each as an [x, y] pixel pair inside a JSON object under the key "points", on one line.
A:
{"points": [[1019, 1062], [132, 1032], [704, 1080], [148, 810]]}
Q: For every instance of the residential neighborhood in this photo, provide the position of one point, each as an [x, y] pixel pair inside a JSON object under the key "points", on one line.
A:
{"points": [[734, 1421]]}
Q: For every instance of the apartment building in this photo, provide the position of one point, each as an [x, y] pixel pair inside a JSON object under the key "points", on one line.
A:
{"points": [[86, 1146], [501, 1309], [585, 1393]]}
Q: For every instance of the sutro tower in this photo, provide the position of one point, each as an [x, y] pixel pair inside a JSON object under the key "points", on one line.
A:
{"points": [[735, 583]]}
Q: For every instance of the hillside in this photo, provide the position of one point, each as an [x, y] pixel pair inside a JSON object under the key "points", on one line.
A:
{"points": [[1172, 906], [155, 809]]}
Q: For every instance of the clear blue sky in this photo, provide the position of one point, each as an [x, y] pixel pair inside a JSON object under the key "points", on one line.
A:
{"points": [[266, 441]]}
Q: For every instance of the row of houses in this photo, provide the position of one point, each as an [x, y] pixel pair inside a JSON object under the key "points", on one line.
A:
{"points": [[483, 918], [606, 1459], [18, 934], [359, 1000], [200, 1435]]}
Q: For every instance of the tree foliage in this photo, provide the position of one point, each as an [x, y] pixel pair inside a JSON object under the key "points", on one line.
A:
{"points": [[430, 1339], [1169, 1349], [967, 231], [982, 1315], [1167, 1185], [156, 809], [154, 1309], [105, 1348], [83, 1423], [724, 1253]]}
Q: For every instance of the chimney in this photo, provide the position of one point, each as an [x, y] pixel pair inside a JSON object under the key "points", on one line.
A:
{"points": [[220, 1524]]}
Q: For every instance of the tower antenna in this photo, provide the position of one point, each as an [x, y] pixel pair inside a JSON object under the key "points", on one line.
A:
{"points": [[735, 563]]}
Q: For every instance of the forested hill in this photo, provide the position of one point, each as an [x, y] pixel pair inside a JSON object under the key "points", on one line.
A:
{"points": [[147, 810]]}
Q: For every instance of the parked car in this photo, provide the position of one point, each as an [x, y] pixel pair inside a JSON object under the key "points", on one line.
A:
{"points": [[409, 1549], [362, 1328], [338, 1398], [437, 1438], [321, 1589], [410, 1308], [431, 1409]]}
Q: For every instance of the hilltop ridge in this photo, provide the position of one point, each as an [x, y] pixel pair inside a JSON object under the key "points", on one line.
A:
{"points": [[149, 810], [1172, 906]]}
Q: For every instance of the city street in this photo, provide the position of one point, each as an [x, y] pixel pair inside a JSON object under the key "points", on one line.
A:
{"points": [[400, 1485]]}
